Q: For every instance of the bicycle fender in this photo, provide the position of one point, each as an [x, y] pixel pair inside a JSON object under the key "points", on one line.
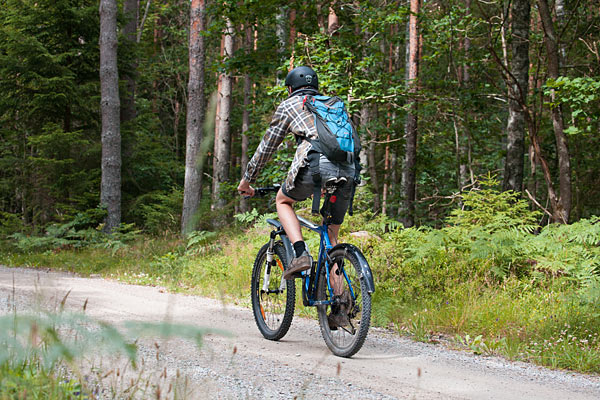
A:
{"points": [[366, 273], [289, 249]]}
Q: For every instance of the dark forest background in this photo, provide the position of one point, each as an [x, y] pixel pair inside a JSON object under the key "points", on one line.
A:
{"points": [[443, 92]]}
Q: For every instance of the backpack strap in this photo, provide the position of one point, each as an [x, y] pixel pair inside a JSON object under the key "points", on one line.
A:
{"points": [[313, 163], [314, 156]]}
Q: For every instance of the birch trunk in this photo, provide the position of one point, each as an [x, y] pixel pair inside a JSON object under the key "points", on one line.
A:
{"points": [[559, 6], [465, 168], [223, 137], [110, 191], [280, 33], [195, 118]]}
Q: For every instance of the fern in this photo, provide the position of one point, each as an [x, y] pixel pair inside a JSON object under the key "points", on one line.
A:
{"points": [[198, 242], [66, 235]]}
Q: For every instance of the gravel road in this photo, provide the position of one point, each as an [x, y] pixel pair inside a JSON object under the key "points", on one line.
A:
{"points": [[299, 366]]}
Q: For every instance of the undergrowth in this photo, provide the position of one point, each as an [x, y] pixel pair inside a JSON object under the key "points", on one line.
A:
{"points": [[490, 280], [47, 355]]}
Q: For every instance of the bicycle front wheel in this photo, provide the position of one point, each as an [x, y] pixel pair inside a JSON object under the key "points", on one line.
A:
{"points": [[344, 325], [273, 298]]}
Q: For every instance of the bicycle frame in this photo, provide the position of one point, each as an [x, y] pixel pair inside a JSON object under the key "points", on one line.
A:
{"points": [[309, 278]]}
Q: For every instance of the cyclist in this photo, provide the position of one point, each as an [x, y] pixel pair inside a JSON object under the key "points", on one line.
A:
{"points": [[292, 117]]}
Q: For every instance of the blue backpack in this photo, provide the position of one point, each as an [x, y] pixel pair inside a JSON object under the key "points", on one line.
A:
{"points": [[338, 140]]}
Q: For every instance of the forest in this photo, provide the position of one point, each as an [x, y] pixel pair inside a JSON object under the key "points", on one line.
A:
{"points": [[145, 112], [126, 126]]}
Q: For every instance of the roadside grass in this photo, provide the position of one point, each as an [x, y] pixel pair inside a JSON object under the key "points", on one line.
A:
{"points": [[519, 321], [29, 380], [68, 355]]}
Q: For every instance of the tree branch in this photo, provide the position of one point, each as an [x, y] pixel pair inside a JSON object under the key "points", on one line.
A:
{"points": [[141, 27], [537, 204]]}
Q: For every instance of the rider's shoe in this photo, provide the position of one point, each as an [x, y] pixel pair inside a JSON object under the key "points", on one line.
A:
{"points": [[338, 318], [297, 265]]}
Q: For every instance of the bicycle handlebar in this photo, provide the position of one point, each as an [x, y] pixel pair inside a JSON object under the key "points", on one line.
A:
{"points": [[263, 191]]}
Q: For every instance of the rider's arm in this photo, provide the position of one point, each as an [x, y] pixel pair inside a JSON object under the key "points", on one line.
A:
{"points": [[273, 137]]}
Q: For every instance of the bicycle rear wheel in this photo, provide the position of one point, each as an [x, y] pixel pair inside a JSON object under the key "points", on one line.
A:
{"points": [[355, 300], [273, 302]]}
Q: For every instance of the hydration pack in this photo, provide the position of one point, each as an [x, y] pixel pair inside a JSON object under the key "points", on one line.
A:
{"points": [[337, 141]]}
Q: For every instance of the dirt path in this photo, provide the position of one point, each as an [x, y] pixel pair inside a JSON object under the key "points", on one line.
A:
{"points": [[300, 365]]}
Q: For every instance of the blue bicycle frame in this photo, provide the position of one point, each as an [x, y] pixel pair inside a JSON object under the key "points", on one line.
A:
{"points": [[309, 278]]}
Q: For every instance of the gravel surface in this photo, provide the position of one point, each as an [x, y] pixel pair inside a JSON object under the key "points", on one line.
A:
{"points": [[247, 366]]}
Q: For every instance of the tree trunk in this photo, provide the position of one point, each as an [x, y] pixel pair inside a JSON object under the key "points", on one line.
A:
{"points": [[246, 116], [280, 33], [223, 137], [369, 148], [332, 22], [110, 191], [194, 118], [559, 6], [466, 168], [386, 166], [130, 10], [518, 89], [410, 156], [562, 209], [320, 17], [292, 38]]}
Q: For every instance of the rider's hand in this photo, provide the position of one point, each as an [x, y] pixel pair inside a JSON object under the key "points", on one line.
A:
{"points": [[244, 188]]}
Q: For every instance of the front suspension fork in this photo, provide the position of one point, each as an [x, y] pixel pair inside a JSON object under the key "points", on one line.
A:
{"points": [[270, 262]]}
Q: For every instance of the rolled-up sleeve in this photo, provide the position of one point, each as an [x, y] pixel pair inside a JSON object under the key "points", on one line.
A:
{"points": [[273, 137]]}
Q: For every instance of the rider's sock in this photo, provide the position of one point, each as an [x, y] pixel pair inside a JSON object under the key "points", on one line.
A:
{"points": [[300, 247]]}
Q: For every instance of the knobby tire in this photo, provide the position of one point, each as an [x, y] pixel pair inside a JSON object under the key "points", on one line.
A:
{"points": [[343, 342], [273, 312]]}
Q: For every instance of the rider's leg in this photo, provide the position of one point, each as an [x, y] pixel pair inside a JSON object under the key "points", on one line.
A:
{"points": [[334, 230], [302, 260], [287, 216], [335, 280]]}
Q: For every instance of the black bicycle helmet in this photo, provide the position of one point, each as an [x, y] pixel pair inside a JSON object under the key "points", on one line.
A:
{"points": [[301, 77]]}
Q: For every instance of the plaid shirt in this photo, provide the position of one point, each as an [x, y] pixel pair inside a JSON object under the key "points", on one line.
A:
{"points": [[289, 117]]}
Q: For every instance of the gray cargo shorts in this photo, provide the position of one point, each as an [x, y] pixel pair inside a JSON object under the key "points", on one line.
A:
{"points": [[304, 186]]}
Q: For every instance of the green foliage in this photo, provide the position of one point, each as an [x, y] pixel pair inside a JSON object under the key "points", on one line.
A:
{"points": [[247, 217], [9, 223], [158, 212], [570, 250], [581, 95], [493, 211], [28, 379], [34, 348], [199, 242], [48, 111], [78, 233]]}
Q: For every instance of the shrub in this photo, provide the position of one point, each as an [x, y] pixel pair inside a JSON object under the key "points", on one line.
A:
{"points": [[158, 212]]}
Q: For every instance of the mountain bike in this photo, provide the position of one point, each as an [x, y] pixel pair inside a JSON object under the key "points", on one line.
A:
{"points": [[274, 298]]}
